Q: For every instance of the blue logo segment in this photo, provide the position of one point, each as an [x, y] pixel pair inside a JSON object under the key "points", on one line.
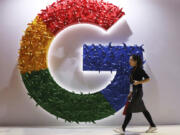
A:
{"points": [[112, 58]]}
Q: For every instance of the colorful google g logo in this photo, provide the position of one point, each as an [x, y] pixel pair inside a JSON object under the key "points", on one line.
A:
{"points": [[35, 73]]}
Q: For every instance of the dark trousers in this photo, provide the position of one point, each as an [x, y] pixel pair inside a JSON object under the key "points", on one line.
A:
{"points": [[129, 116]]}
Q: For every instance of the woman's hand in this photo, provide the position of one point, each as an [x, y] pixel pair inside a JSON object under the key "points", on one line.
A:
{"points": [[141, 82], [136, 82], [129, 95]]}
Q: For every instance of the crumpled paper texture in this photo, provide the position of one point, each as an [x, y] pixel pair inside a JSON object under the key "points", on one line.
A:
{"points": [[63, 13], [34, 47]]}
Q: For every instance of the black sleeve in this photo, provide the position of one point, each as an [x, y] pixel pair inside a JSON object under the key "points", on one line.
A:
{"points": [[131, 81], [144, 74]]}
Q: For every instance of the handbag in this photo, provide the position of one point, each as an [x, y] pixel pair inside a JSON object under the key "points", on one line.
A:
{"points": [[127, 103], [126, 106]]}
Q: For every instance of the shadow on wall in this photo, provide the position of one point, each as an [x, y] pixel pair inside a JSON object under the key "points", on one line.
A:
{"points": [[16, 107], [151, 92]]}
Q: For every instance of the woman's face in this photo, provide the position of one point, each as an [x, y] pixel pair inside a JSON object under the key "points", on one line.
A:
{"points": [[132, 62]]}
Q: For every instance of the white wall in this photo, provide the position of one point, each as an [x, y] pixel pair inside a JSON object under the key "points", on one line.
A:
{"points": [[154, 23]]}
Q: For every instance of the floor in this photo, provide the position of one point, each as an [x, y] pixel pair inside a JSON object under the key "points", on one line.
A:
{"points": [[138, 130]]}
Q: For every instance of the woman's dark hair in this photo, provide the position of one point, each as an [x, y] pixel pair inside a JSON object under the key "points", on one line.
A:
{"points": [[138, 59]]}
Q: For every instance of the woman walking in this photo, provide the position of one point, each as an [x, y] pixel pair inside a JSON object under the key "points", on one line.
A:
{"points": [[136, 105]]}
